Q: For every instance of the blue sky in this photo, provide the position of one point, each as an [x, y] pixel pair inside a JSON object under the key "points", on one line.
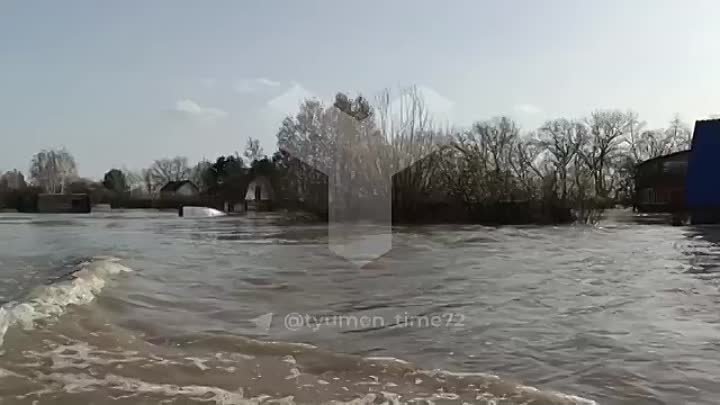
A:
{"points": [[122, 83]]}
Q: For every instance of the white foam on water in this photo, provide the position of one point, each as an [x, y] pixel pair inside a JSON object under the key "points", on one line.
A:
{"points": [[389, 360], [557, 397], [52, 300], [81, 356], [78, 383], [7, 373], [201, 212], [91, 277]]}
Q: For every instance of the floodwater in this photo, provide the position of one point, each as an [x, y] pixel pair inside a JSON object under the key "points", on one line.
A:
{"points": [[144, 308]]}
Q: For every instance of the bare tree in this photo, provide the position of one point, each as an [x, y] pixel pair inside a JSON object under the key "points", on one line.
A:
{"points": [[607, 130], [135, 182], [582, 191], [524, 161], [678, 134], [647, 144], [496, 138], [199, 174], [148, 182], [656, 143], [487, 159], [407, 146], [635, 139], [306, 141], [253, 150], [53, 170], [562, 138], [166, 170], [460, 172]]}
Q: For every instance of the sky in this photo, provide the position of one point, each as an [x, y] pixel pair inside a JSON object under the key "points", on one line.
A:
{"points": [[120, 84]]}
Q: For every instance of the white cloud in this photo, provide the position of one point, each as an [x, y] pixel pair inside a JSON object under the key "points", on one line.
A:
{"points": [[439, 109], [289, 102], [253, 85], [191, 109], [267, 82], [433, 101], [528, 109]]}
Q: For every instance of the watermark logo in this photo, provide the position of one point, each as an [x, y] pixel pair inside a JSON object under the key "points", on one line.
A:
{"points": [[263, 322], [360, 147], [295, 321]]}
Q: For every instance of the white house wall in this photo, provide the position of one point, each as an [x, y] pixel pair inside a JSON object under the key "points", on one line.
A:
{"points": [[265, 189]]}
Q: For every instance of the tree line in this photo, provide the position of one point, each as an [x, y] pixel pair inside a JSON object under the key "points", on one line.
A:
{"points": [[579, 163], [583, 164], [55, 171]]}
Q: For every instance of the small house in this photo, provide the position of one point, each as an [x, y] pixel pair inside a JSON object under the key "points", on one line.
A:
{"points": [[259, 195], [179, 189], [660, 183], [63, 203]]}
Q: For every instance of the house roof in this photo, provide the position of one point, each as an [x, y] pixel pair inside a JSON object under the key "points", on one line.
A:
{"points": [[175, 185], [663, 157]]}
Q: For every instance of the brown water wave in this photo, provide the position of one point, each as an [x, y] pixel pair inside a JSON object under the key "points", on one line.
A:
{"points": [[62, 347], [84, 358], [618, 313]]}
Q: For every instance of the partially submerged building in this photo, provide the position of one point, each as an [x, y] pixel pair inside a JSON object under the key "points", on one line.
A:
{"points": [[259, 195], [703, 181], [685, 183], [179, 189], [660, 183], [64, 203]]}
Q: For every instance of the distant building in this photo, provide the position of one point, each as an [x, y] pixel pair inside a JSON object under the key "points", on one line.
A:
{"points": [[63, 203], [259, 195], [179, 189], [660, 183]]}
